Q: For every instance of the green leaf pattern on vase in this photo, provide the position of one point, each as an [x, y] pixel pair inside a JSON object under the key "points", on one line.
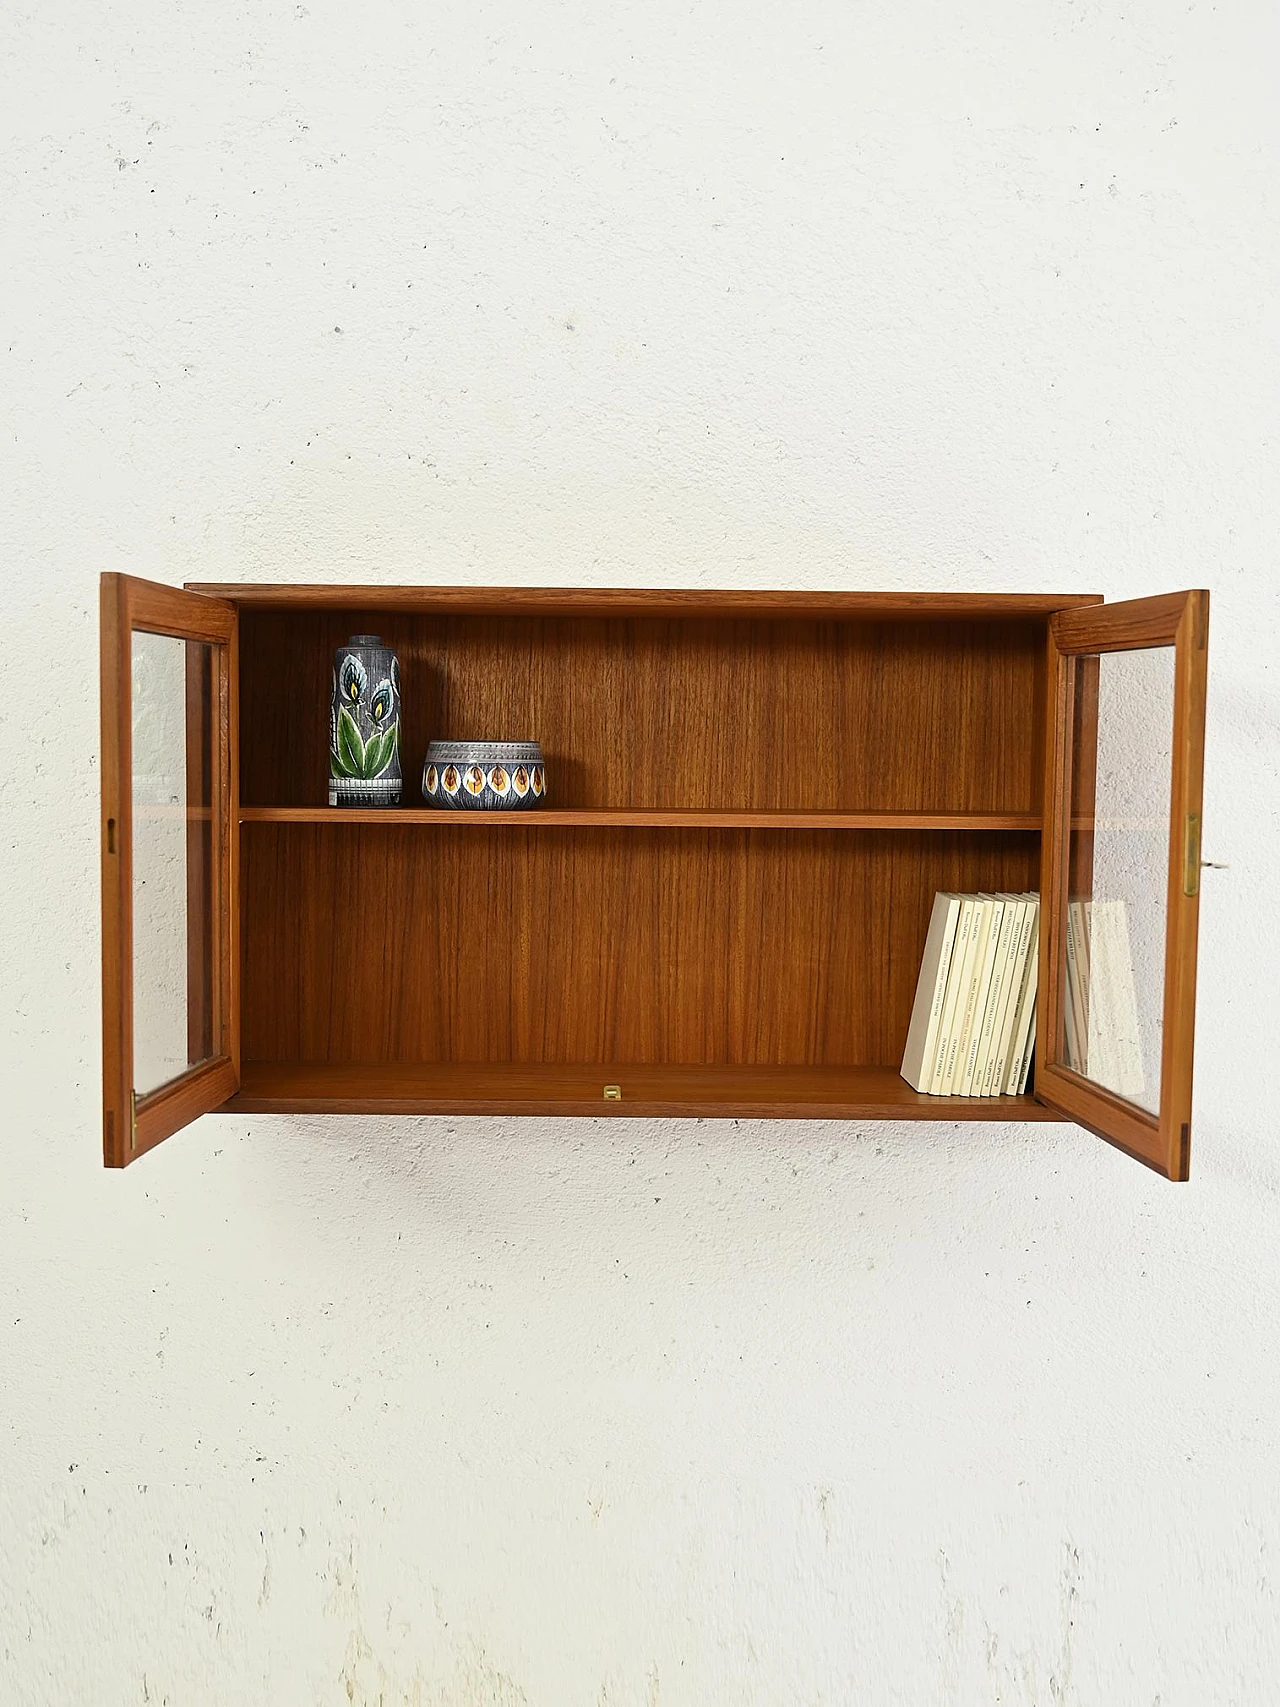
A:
{"points": [[364, 725]]}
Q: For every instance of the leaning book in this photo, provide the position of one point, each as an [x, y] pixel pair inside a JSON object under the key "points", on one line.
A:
{"points": [[931, 989]]}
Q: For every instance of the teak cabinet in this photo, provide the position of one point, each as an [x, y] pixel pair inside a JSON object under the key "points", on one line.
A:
{"points": [[753, 799]]}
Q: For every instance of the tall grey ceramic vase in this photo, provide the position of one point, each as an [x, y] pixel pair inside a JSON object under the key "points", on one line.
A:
{"points": [[364, 725]]}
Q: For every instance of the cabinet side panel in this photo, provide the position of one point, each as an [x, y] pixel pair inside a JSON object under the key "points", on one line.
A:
{"points": [[379, 944]]}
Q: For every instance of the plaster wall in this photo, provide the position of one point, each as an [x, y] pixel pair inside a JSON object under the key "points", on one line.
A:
{"points": [[694, 1414]]}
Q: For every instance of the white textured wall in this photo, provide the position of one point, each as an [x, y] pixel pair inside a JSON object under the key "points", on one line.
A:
{"points": [[890, 294]]}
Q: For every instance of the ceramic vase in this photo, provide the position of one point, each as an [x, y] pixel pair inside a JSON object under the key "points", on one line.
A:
{"points": [[484, 776], [364, 725]]}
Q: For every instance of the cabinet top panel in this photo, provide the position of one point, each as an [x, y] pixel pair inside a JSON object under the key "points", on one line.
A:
{"points": [[652, 601]]}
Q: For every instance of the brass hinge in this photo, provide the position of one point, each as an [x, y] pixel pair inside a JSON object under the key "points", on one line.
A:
{"points": [[133, 1120], [1191, 856]]}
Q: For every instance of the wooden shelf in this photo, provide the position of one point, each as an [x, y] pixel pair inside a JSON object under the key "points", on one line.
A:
{"points": [[741, 1093], [639, 818]]}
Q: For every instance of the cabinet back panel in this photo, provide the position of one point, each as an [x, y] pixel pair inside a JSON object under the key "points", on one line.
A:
{"points": [[379, 944], [729, 714]]}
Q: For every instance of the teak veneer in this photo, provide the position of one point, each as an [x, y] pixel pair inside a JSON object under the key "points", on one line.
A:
{"points": [[773, 1093], [754, 797], [639, 818]]}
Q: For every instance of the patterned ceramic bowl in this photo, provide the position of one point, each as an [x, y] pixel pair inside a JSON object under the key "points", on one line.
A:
{"points": [[484, 776]]}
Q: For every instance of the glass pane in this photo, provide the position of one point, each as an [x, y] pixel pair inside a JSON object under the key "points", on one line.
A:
{"points": [[1118, 872], [173, 854]]}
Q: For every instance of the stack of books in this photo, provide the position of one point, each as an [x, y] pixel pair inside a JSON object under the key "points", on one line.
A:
{"points": [[973, 1025], [1100, 1003]]}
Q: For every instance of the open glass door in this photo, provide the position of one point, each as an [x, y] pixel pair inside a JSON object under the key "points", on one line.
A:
{"points": [[1121, 871], [170, 1041]]}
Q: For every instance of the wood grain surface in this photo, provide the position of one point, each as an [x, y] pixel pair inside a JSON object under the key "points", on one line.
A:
{"points": [[938, 717], [1180, 620], [127, 606], [366, 944], [636, 817], [639, 601], [843, 1093], [1128, 626]]}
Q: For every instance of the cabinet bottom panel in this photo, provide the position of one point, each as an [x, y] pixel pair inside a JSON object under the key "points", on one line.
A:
{"points": [[486, 1087]]}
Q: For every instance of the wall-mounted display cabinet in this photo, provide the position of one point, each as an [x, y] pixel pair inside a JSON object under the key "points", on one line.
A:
{"points": [[753, 798]]}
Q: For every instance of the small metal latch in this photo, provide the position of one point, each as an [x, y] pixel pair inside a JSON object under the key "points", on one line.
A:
{"points": [[613, 1093], [1191, 856]]}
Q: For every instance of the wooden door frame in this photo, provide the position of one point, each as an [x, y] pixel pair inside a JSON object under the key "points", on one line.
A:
{"points": [[127, 605], [1180, 620]]}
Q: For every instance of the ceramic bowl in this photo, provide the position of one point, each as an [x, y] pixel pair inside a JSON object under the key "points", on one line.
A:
{"points": [[484, 776]]}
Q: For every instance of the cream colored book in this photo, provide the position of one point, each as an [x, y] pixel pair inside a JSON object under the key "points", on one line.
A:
{"points": [[993, 1012], [1028, 1053], [991, 947], [1084, 908], [1072, 997], [963, 986], [957, 1062], [1001, 1062], [955, 979], [931, 989], [1115, 1049], [991, 1058], [1024, 1026]]}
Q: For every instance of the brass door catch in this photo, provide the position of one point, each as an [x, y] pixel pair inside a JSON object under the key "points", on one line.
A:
{"points": [[1191, 856], [613, 1093]]}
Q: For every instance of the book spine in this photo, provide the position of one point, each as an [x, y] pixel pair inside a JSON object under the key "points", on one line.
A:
{"points": [[1026, 1013], [1115, 1050], [917, 1055], [1019, 940], [977, 957], [973, 1043], [993, 1014], [955, 975], [930, 1051], [1071, 997], [1024, 1074]]}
